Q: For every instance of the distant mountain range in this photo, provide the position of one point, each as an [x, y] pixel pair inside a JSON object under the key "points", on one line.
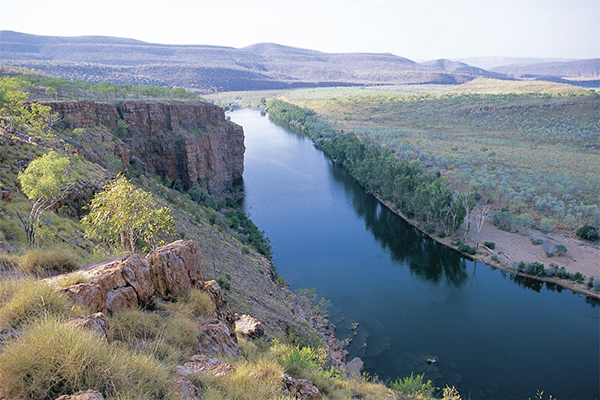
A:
{"points": [[216, 68]]}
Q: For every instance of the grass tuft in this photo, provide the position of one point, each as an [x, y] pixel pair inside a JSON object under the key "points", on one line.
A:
{"points": [[50, 359], [42, 263]]}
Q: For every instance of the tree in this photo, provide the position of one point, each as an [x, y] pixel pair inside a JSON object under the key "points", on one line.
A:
{"points": [[122, 214], [481, 215], [48, 180]]}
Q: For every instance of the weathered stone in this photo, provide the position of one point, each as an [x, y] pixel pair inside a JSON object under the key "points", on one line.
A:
{"points": [[84, 395], [183, 389], [87, 294], [176, 267], [301, 388], [96, 323], [201, 364], [121, 298], [217, 338], [249, 327]]}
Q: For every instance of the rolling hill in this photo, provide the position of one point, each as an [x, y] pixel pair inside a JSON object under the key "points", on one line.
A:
{"points": [[214, 68]]}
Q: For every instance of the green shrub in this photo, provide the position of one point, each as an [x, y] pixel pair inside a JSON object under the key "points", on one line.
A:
{"points": [[578, 277], [591, 282], [42, 262], [441, 234], [225, 285], [503, 220], [561, 249], [413, 385], [490, 245], [546, 225], [588, 232], [467, 249], [429, 229], [596, 285], [50, 359]]}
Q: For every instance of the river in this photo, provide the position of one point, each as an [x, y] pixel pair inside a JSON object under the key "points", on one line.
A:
{"points": [[493, 335]]}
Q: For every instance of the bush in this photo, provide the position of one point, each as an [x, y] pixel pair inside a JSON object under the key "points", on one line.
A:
{"points": [[578, 277], [588, 232], [597, 285], [50, 359], [561, 249], [490, 245], [225, 285], [441, 234], [198, 302], [467, 249], [591, 282], [42, 263], [546, 225], [413, 385], [503, 220]]}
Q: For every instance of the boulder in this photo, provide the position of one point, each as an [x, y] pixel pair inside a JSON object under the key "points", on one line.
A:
{"points": [[176, 267], [84, 395], [249, 327], [300, 388], [181, 388], [201, 364], [87, 294], [216, 338], [96, 323]]}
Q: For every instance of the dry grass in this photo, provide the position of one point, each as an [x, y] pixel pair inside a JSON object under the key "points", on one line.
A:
{"points": [[42, 262], [24, 300], [50, 359]]}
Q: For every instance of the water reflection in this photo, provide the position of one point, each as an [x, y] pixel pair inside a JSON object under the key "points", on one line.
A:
{"points": [[427, 259]]}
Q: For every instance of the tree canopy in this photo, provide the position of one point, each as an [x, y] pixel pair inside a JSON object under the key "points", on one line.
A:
{"points": [[121, 215]]}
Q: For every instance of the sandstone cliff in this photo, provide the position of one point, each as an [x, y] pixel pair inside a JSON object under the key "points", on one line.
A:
{"points": [[190, 143]]}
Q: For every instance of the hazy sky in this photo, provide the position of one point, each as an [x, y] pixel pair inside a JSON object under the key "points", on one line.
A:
{"points": [[416, 29]]}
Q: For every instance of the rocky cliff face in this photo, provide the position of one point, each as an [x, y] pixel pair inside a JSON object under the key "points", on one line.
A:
{"points": [[190, 143]]}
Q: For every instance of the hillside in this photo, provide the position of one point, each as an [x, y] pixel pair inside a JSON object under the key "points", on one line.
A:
{"points": [[264, 66]]}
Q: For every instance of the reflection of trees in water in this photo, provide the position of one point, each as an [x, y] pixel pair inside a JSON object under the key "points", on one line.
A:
{"points": [[426, 258]]}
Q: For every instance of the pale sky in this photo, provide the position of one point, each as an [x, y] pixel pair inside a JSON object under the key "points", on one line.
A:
{"points": [[416, 29]]}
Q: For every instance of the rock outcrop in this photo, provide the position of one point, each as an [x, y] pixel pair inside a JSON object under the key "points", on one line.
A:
{"points": [[190, 143]]}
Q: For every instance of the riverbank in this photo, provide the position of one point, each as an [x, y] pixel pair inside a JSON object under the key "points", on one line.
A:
{"points": [[514, 247]]}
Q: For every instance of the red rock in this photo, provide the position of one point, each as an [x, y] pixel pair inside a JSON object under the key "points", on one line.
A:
{"points": [[176, 267]]}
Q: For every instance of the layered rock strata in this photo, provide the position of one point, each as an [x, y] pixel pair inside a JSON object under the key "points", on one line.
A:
{"points": [[190, 143]]}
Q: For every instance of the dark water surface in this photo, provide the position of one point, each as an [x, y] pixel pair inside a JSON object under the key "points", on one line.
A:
{"points": [[494, 336]]}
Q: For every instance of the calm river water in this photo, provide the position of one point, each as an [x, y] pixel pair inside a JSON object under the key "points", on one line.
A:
{"points": [[494, 336]]}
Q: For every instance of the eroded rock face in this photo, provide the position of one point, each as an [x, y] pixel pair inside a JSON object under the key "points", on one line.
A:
{"points": [[191, 143]]}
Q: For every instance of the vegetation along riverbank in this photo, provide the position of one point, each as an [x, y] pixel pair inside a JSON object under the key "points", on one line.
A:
{"points": [[459, 196]]}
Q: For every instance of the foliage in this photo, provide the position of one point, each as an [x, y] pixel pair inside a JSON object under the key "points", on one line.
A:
{"points": [[122, 214], [561, 249], [467, 249], [588, 232], [249, 231], [490, 245], [49, 179], [412, 385]]}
